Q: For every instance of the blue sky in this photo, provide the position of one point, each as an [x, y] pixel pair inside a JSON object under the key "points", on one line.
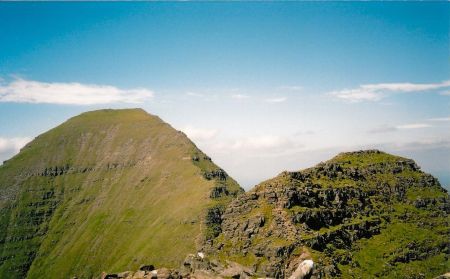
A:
{"points": [[261, 87]]}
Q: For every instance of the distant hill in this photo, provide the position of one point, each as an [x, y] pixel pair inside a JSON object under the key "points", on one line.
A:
{"points": [[364, 214], [107, 190]]}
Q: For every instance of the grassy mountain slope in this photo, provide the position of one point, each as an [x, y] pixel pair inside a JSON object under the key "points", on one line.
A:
{"points": [[107, 190], [361, 214]]}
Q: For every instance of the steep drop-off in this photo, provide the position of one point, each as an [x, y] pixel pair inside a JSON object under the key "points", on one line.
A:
{"points": [[107, 190], [363, 214]]}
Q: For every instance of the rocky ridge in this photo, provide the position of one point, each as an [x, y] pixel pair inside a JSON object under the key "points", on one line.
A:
{"points": [[336, 212]]}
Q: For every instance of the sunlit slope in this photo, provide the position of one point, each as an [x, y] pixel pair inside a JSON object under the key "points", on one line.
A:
{"points": [[107, 190]]}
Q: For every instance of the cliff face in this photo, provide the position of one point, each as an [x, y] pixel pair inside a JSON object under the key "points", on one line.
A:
{"points": [[360, 215], [107, 190]]}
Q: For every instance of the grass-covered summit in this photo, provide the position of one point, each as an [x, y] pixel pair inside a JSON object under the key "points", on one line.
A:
{"points": [[364, 214], [107, 190]]}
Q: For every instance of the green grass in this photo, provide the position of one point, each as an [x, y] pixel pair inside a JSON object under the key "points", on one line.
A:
{"points": [[364, 159], [148, 210], [374, 256]]}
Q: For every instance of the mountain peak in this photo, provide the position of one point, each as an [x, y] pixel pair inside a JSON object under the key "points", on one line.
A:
{"points": [[107, 189], [364, 157]]}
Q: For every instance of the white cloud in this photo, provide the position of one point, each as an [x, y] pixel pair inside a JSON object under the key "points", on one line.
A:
{"points": [[264, 146], [406, 87], [275, 100], [413, 126], [73, 93], [357, 95], [200, 134], [240, 96], [376, 92], [441, 119], [11, 146]]}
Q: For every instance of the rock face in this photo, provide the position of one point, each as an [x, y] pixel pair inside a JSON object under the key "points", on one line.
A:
{"points": [[107, 190], [361, 214]]}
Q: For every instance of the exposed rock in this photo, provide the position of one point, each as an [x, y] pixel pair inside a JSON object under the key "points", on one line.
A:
{"points": [[139, 274], [303, 270], [125, 274], [219, 191], [330, 208], [218, 174]]}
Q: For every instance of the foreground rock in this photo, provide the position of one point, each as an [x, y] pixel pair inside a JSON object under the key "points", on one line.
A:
{"points": [[201, 267]]}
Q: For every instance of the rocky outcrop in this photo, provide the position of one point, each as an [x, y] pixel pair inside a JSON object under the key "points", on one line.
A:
{"points": [[330, 209]]}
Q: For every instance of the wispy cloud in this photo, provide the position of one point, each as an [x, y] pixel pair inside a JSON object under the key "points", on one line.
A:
{"points": [[440, 119], [198, 134], [383, 129], [240, 96], [423, 144], [72, 93], [414, 126], [254, 146], [376, 92], [389, 128], [11, 146], [407, 87], [357, 95], [275, 100]]}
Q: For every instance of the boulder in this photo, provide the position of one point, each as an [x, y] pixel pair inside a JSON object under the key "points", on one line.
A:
{"points": [[139, 274], [303, 270]]}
